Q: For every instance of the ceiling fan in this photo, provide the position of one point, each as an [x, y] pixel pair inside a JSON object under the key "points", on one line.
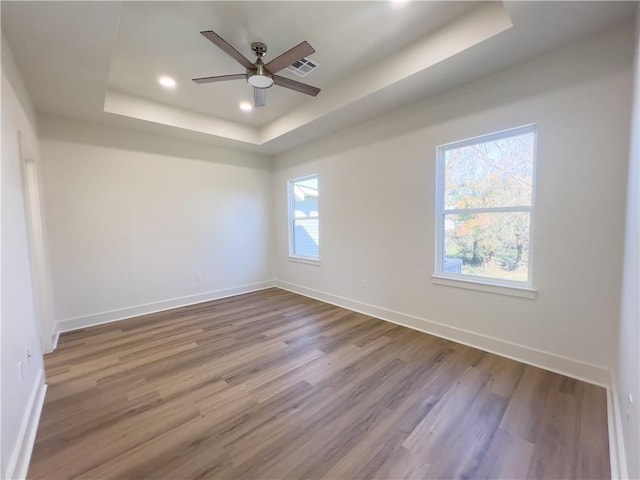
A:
{"points": [[259, 75]]}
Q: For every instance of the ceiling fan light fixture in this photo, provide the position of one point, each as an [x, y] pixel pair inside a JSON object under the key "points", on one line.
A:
{"points": [[260, 81], [260, 77]]}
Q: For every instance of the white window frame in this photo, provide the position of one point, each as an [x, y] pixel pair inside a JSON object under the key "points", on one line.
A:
{"points": [[475, 282], [291, 220]]}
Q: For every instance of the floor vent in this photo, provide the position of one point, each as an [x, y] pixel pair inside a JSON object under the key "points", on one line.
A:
{"points": [[303, 67]]}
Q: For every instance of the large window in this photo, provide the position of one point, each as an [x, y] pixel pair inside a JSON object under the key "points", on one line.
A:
{"points": [[484, 208], [304, 238]]}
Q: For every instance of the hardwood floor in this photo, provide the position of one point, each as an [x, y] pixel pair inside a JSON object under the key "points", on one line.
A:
{"points": [[275, 385]]}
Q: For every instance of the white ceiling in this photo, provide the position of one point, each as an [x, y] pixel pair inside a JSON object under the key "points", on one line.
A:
{"points": [[100, 61], [155, 38]]}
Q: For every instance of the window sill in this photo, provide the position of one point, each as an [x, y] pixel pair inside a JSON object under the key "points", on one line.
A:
{"points": [[308, 261], [514, 291]]}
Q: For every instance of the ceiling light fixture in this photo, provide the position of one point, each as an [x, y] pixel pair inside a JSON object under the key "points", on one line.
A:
{"points": [[398, 3], [246, 106], [167, 82], [261, 77]]}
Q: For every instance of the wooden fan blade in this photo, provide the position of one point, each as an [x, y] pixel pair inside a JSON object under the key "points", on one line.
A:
{"points": [[289, 57], [217, 40], [220, 78], [259, 97], [294, 85]]}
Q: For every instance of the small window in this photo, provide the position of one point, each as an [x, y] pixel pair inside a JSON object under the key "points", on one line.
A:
{"points": [[304, 238], [484, 208]]}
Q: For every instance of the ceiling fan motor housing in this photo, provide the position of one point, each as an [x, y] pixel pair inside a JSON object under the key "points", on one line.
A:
{"points": [[260, 77]]}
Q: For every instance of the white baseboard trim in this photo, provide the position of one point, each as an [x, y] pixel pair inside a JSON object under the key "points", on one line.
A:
{"points": [[549, 361], [54, 340], [617, 455], [21, 455], [93, 319]]}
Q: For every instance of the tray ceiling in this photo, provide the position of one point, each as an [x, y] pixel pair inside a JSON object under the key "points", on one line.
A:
{"points": [[101, 60]]}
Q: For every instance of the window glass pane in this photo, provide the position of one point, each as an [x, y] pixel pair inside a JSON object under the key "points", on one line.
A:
{"points": [[305, 198], [496, 173], [305, 237], [304, 201], [492, 245]]}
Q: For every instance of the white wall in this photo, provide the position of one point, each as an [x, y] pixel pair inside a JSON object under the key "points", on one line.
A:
{"points": [[21, 393], [132, 218], [377, 209], [628, 369]]}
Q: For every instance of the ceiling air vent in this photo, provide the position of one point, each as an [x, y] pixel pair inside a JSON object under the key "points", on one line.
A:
{"points": [[303, 67]]}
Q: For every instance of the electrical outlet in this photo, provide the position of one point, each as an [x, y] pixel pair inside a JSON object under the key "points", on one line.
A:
{"points": [[198, 277]]}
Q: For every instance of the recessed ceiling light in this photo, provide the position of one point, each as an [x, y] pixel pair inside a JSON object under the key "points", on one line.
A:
{"points": [[398, 3], [246, 106], [167, 82]]}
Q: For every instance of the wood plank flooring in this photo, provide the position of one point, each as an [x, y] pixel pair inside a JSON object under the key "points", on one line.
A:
{"points": [[275, 385]]}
